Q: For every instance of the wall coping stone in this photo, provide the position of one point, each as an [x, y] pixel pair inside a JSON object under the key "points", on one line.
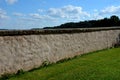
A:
{"points": [[53, 31]]}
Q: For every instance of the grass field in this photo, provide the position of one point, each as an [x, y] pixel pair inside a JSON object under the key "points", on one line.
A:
{"points": [[101, 65]]}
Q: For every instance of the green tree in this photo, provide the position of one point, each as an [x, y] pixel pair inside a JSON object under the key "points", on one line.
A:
{"points": [[114, 20]]}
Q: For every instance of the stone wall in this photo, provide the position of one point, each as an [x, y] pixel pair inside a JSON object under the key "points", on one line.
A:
{"points": [[30, 51]]}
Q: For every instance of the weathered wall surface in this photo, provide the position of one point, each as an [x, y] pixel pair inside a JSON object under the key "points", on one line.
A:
{"points": [[30, 51]]}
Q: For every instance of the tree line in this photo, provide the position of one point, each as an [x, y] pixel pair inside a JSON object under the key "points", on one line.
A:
{"points": [[106, 22]]}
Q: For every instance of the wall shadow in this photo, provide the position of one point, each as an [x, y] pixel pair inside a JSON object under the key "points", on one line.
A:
{"points": [[117, 44]]}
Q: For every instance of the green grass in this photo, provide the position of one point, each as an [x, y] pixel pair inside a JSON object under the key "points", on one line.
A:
{"points": [[101, 65]]}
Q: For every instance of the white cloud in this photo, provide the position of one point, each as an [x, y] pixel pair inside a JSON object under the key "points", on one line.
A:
{"points": [[69, 12], [11, 1], [41, 17], [18, 14], [96, 16], [56, 13], [27, 19], [40, 10], [111, 10], [3, 14], [106, 12], [36, 15]]}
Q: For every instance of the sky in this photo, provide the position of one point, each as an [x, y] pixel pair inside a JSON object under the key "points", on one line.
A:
{"points": [[27, 14]]}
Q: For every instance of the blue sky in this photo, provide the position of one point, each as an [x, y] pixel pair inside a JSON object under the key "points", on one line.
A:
{"points": [[27, 14]]}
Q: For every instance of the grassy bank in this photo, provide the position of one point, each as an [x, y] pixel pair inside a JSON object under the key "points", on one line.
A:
{"points": [[103, 65]]}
